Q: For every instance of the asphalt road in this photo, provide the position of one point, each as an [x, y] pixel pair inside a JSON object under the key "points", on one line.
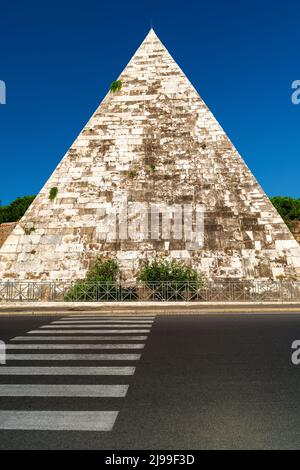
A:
{"points": [[202, 382]]}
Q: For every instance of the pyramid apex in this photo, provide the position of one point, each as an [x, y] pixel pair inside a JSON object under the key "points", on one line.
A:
{"points": [[151, 34]]}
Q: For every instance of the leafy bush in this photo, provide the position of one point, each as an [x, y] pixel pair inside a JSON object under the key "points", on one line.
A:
{"points": [[103, 271], [170, 280], [169, 271], [99, 283], [116, 86], [15, 210], [288, 207]]}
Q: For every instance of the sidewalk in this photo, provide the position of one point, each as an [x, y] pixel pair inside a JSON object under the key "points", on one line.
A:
{"points": [[157, 308]]}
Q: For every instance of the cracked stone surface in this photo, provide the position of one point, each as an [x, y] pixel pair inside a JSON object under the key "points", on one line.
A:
{"points": [[157, 120]]}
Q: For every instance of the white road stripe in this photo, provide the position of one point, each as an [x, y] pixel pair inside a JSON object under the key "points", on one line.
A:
{"points": [[73, 357], [101, 322], [46, 390], [24, 370], [124, 332], [94, 326], [113, 317], [58, 420], [75, 346], [96, 319], [78, 338]]}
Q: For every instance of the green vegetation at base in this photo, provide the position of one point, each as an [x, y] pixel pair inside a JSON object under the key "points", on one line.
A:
{"points": [[159, 280], [15, 210], [169, 271], [169, 280], [103, 271], [100, 282], [288, 208]]}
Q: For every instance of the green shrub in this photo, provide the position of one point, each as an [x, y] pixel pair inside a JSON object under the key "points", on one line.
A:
{"points": [[169, 271], [100, 283], [288, 208], [103, 271], [170, 280], [116, 86], [53, 193], [16, 209]]}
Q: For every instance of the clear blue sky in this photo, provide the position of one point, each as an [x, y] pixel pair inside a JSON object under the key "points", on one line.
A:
{"points": [[59, 58]]}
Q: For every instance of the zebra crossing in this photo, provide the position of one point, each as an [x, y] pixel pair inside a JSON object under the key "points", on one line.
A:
{"points": [[81, 349]]}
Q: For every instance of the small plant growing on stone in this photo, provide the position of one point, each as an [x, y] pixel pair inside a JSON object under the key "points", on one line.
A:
{"points": [[152, 167], [53, 193], [116, 86], [203, 145], [29, 230], [132, 174]]}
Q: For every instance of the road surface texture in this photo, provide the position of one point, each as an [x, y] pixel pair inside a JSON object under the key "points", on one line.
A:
{"points": [[215, 381]]}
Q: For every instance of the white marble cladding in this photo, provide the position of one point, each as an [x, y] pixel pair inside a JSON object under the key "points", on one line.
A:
{"points": [[156, 120]]}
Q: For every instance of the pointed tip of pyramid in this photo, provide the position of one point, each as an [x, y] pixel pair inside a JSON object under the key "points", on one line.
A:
{"points": [[152, 38], [152, 34]]}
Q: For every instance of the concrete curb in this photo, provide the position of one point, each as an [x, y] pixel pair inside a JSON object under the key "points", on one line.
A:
{"points": [[157, 308], [160, 313]]}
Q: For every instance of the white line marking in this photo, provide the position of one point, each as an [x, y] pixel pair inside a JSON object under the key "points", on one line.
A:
{"points": [[101, 322], [58, 420], [75, 346], [24, 370], [94, 326], [73, 357], [124, 332], [108, 317], [46, 390], [112, 317], [78, 338]]}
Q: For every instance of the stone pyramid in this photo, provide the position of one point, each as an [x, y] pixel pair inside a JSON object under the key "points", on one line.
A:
{"points": [[153, 141]]}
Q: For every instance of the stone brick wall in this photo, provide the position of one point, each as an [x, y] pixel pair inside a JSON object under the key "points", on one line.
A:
{"points": [[157, 119], [5, 231]]}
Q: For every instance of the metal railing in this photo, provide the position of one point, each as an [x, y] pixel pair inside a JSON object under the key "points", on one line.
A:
{"points": [[82, 291]]}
